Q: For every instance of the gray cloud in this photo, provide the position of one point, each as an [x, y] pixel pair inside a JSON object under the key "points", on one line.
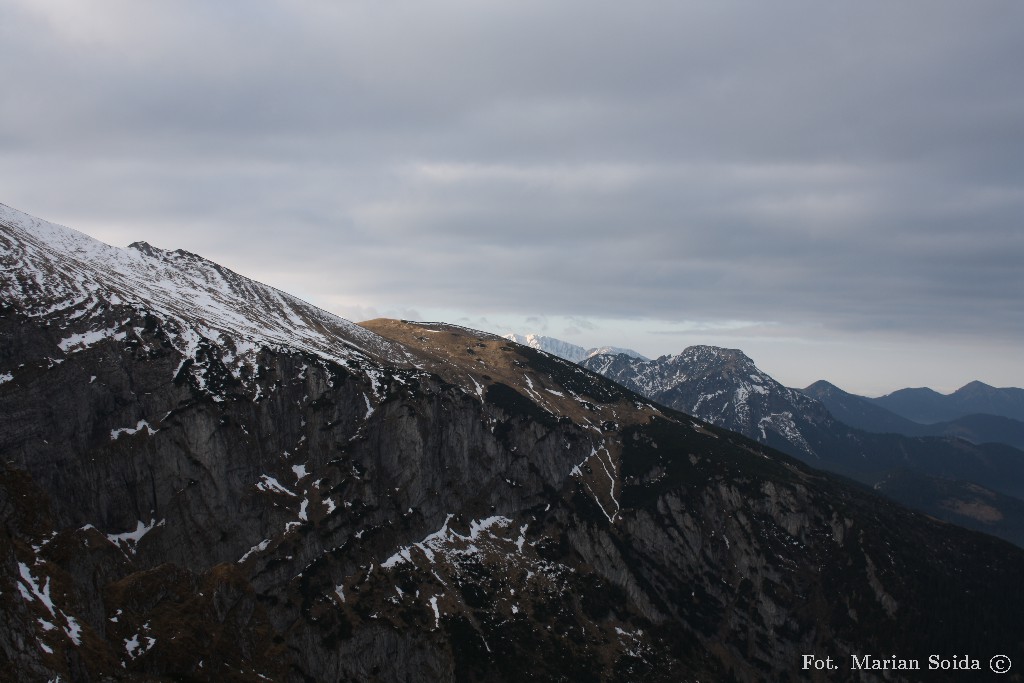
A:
{"points": [[850, 168]]}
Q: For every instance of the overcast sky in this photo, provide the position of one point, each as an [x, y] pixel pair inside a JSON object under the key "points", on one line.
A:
{"points": [[837, 188]]}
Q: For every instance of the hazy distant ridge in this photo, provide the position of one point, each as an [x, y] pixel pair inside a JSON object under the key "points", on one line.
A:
{"points": [[928, 406], [568, 351], [864, 413]]}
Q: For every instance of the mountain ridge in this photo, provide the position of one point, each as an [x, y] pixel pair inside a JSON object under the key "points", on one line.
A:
{"points": [[176, 283]]}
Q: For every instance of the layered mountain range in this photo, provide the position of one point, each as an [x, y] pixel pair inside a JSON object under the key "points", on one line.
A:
{"points": [[929, 406], [206, 479], [965, 419], [725, 387]]}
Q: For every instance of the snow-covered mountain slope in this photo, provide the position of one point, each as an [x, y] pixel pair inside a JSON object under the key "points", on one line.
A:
{"points": [[722, 386], [566, 350], [50, 269]]}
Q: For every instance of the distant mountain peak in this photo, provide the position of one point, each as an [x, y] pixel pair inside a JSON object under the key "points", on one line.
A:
{"points": [[928, 406], [567, 350], [916, 391], [975, 386], [724, 387], [709, 350], [717, 356], [821, 386]]}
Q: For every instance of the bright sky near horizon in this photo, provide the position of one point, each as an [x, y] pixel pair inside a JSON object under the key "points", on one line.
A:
{"points": [[835, 188]]}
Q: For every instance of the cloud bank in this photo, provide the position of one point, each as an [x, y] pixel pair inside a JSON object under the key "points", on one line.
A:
{"points": [[838, 169]]}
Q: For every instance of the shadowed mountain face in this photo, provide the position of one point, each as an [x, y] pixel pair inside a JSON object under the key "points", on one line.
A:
{"points": [[973, 506], [188, 494], [724, 387]]}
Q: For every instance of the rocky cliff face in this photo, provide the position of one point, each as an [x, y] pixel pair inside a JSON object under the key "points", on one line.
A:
{"points": [[418, 502]]}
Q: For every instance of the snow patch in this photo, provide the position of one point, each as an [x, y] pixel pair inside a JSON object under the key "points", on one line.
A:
{"points": [[437, 612], [479, 389], [73, 630], [447, 541], [115, 433], [258, 548], [30, 589], [136, 646], [130, 539], [82, 341], [271, 485]]}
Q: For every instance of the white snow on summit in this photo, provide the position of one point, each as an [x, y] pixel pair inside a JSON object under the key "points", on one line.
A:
{"points": [[566, 350]]}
